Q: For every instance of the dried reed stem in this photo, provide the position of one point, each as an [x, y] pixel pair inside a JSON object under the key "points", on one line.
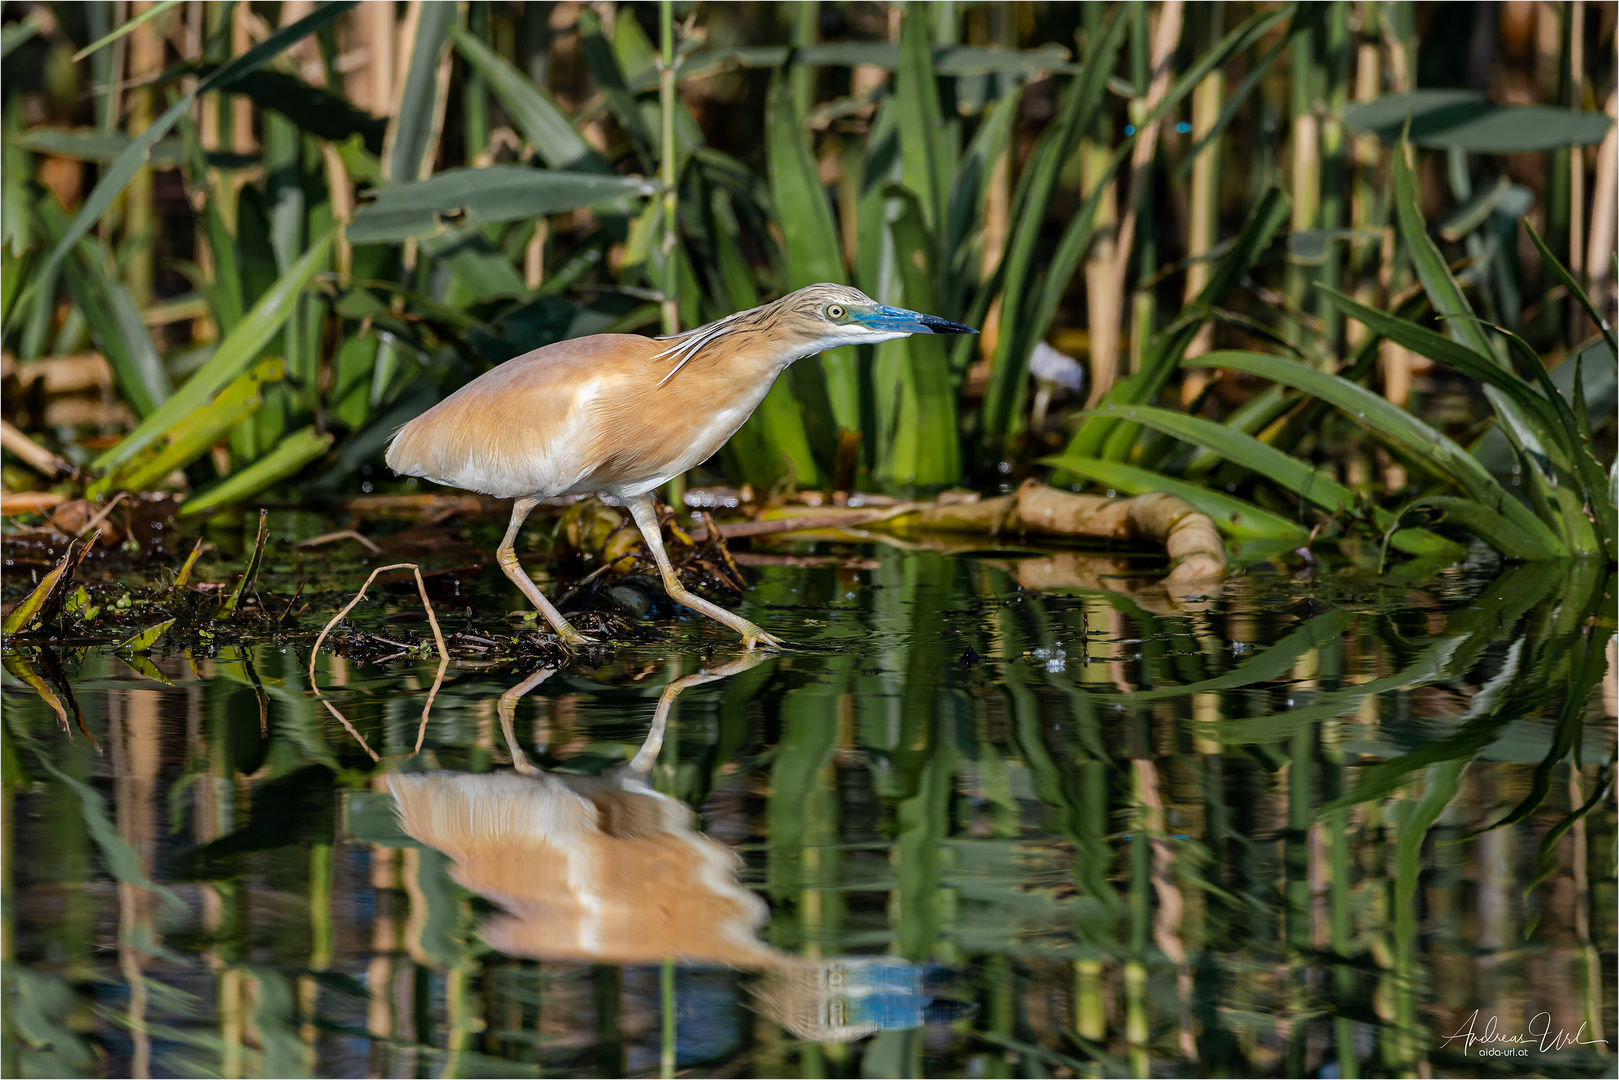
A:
{"points": [[31, 453], [1207, 101], [1105, 344], [1604, 197]]}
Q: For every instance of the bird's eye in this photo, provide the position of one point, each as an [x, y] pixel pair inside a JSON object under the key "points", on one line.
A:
{"points": [[834, 311]]}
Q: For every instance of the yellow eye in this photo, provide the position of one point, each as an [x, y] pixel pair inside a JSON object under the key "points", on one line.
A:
{"points": [[834, 311]]}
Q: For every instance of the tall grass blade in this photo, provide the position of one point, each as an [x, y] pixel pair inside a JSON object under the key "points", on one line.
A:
{"points": [[926, 449], [200, 430], [813, 253], [965, 217], [610, 81], [412, 135], [537, 117], [1249, 33], [107, 39], [1558, 504], [921, 123], [1304, 20], [1572, 429], [1079, 104], [1071, 248], [1561, 273], [1482, 521], [1448, 351], [1102, 435], [1389, 421], [113, 318]]}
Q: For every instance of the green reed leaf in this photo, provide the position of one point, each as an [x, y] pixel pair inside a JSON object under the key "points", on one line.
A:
{"points": [[1278, 467], [1464, 120], [230, 359], [142, 640], [1377, 414], [533, 111], [1561, 272], [813, 250], [923, 149], [1103, 435], [410, 136], [1447, 351], [289, 455], [1078, 106], [201, 429], [114, 320], [144, 17]]}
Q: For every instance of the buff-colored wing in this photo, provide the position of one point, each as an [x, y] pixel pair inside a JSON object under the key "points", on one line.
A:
{"points": [[531, 426]]}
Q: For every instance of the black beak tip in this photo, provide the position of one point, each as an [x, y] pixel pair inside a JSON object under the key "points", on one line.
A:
{"points": [[937, 325]]}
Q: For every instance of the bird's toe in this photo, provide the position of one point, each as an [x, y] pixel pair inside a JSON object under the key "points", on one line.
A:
{"points": [[575, 638], [755, 636]]}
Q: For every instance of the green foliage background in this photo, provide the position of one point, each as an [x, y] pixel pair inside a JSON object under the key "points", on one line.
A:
{"points": [[278, 276]]}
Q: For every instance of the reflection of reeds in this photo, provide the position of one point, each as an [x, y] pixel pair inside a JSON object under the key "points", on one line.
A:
{"points": [[1209, 874]]}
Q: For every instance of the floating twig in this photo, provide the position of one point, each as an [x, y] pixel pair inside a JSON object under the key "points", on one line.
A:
{"points": [[438, 637]]}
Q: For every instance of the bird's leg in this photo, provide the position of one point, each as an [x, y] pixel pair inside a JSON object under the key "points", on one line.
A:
{"points": [[506, 555], [507, 707], [641, 764], [645, 512]]}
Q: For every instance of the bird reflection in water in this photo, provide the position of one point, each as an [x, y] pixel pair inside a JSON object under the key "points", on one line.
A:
{"points": [[604, 869]]}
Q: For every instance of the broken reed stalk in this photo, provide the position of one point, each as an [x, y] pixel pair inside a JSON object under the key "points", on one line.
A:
{"points": [[438, 637], [184, 576], [31, 453], [101, 515], [48, 595]]}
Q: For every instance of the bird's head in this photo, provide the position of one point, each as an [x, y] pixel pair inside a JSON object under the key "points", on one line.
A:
{"points": [[825, 316], [800, 324]]}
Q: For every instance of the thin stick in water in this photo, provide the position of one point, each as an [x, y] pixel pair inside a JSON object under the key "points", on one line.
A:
{"points": [[438, 638]]}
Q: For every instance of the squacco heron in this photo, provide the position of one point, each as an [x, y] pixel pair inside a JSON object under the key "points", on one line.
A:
{"points": [[620, 415]]}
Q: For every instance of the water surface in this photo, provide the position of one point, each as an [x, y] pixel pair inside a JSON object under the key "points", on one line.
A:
{"points": [[998, 816]]}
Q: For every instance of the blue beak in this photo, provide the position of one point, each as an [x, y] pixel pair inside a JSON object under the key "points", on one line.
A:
{"points": [[895, 320]]}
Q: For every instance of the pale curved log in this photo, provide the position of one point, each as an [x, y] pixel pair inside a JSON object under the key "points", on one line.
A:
{"points": [[1187, 535]]}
